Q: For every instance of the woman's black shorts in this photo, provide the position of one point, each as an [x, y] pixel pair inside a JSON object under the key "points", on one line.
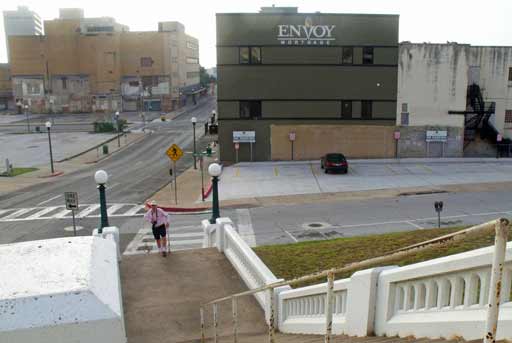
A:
{"points": [[159, 231]]}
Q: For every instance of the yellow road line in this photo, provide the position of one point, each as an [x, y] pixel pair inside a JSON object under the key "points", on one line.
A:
{"points": [[276, 171]]}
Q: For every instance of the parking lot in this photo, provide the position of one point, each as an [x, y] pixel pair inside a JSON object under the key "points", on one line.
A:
{"points": [[245, 180]]}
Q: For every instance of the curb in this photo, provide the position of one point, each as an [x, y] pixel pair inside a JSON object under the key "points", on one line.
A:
{"points": [[181, 209], [208, 191], [384, 161], [115, 151], [59, 173], [90, 149]]}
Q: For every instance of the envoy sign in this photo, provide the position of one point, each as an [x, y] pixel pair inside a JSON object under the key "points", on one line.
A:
{"points": [[307, 34]]}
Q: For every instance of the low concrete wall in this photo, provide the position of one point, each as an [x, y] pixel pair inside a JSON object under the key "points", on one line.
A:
{"points": [[313, 141], [413, 143], [61, 290]]}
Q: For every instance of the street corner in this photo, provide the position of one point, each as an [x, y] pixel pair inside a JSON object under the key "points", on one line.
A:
{"points": [[55, 174]]}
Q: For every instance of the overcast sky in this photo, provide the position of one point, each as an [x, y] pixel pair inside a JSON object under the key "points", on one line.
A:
{"points": [[463, 21]]}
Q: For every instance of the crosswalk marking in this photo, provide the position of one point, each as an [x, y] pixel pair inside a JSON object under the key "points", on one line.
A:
{"points": [[88, 210], [181, 238], [17, 213], [41, 213], [134, 210], [112, 209], [60, 212]]}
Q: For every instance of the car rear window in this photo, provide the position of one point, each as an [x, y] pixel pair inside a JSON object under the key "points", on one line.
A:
{"points": [[336, 158]]}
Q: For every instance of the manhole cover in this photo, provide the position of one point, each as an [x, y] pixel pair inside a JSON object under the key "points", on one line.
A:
{"points": [[32, 146], [317, 225], [70, 228]]}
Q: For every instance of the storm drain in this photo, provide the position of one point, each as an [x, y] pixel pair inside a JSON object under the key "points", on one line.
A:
{"points": [[317, 225]]}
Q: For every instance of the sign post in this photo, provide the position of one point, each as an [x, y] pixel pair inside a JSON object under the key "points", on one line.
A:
{"points": [[291, 137], [438, 205], [499, 138], [174, 153], [237, 147], [71, 199], [245, 137], [396, 136]]}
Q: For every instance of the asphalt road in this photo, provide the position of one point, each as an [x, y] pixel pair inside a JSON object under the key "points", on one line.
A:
{"points": [[134, 174], [295, 223]]}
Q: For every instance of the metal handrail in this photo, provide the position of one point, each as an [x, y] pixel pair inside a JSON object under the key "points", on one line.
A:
{"points": [[497, 225]]}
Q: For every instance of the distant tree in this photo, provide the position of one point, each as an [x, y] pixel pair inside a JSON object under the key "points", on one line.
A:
{"points": [[204, 78]]}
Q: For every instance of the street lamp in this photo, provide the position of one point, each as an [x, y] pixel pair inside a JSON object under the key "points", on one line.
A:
{"points": [[215, 170], [28, 121], [101, 178], [118, 130], [194, 121], [48, 127]]}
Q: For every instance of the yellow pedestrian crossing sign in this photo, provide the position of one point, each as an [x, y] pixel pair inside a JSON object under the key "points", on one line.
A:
{"points": [[174, 152]]}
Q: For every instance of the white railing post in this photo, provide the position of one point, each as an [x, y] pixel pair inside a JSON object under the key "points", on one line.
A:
{"points": [[500, 248], [215, 324], [328, 306], [235, 320], [221, 224], [201, 312], [271, 318]]}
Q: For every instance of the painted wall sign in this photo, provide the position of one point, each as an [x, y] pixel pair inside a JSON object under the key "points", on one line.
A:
{"points": [[244, 136], [437, 136], [307, 34]]}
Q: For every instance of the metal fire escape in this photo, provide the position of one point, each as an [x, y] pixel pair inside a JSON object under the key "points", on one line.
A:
{"points": [[477, 115]]}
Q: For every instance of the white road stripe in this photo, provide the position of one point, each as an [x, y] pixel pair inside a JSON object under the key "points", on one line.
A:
{"points": [[245, 226], [61, 214], [87, 211], [187, 242], [41, 213], [46, 201], [291, 236], [4, 211], [17, 213], [415, 225], [112, 209], [134, 210]]}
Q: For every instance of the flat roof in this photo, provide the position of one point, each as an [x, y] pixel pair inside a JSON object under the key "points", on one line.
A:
{"points": [[310, 13]]}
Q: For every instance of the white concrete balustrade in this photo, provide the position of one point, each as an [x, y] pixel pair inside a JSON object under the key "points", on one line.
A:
{"points": [[444, 297]]}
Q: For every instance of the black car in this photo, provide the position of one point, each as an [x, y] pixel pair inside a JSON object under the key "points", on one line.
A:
{"points": [[334, 162]]}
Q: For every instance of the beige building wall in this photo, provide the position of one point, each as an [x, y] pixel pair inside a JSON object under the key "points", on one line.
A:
{"points": [[101, 61], [313, 141]]}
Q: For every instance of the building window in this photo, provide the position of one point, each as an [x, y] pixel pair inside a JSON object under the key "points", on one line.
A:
{"points": [[404, 119], [346, 109], [347, 55], [250, 55], [508, 119], [174, 59], [510, 74], [244, 55], [192, 60], [146, 62], [64, 83], [404, 107], [250, 109], [367, 55], [192, 74], [366, 109], [192, 45]]}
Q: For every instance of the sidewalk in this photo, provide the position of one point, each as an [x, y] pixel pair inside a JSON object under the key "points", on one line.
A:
{"points": [[43, 174]]}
